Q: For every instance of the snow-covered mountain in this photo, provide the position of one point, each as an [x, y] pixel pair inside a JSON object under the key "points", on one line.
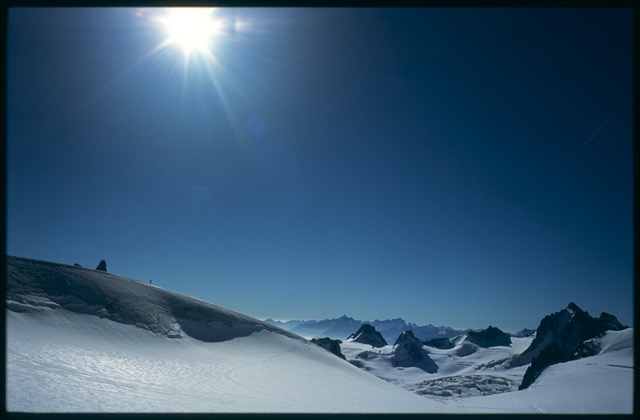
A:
{"points": [[33, 285], [474, 378], [408, 351], [81, 340], [562, 336], [340, 328]]}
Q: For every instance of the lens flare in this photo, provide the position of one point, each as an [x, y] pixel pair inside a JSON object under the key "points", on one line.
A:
{"points": [[192, 29]]}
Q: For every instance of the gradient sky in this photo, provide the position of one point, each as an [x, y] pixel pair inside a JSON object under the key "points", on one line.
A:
{"points": [[463, 167]]}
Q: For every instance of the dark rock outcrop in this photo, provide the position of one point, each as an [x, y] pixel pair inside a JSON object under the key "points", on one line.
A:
{"points": [[367, 334], [490, 337], [466, 349], [330, 345], [408, 352], [563, 336], [102, 266], [439, 343]]}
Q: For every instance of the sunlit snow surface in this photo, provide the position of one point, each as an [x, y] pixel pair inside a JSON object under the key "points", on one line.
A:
{"points": [[62, 360], [65, 362]]}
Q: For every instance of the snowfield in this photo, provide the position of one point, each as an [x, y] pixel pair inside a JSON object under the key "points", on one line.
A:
{"points": [[81, 340], [477, 373], [58, 361]]}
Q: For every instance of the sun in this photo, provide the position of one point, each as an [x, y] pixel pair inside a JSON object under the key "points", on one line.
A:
{"points": [[192, 29]]}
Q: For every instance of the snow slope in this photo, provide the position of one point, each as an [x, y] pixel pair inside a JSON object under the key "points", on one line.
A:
{"points": [[81, 340], [79, 359], [58, 361], [123, 300]]}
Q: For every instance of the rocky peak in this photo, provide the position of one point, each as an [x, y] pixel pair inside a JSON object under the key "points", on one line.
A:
{"points": [[408, 352], [367, 334], [573, 308], [407, 337], [610, 323], [490, 337], [560, 337]]}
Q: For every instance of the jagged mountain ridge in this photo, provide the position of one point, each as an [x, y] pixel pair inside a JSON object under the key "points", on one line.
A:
{"points": [[563, 336]]}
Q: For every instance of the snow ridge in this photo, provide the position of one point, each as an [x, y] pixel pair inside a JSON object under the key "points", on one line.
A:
{"points": [[34, 284]]}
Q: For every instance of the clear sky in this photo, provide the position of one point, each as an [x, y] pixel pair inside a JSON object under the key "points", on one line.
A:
{"points": [[463, 167]]}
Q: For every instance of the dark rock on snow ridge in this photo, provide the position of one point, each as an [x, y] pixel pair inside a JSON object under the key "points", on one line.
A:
{"points": [[330, 345], [102, 266]]}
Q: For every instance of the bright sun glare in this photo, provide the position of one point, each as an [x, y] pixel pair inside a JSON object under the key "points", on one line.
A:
{"points": [[192, 29]]}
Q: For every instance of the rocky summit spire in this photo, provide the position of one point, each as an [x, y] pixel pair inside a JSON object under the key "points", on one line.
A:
{"points": [[408, 352], [367, 334], [561, 337]]}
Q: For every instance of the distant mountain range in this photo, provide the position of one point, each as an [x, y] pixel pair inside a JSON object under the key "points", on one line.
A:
{"points": [[391, 329], [341, 328]]}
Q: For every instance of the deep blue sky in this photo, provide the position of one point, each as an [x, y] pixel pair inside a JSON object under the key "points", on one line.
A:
{"points": [[428, 164]]}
